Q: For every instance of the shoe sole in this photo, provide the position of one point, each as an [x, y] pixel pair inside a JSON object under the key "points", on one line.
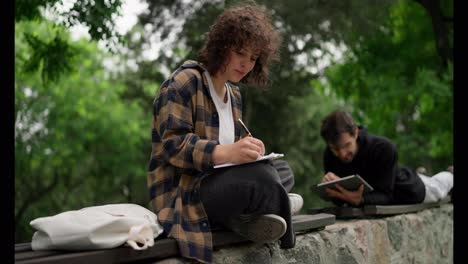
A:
{"points": [[263, 229]]}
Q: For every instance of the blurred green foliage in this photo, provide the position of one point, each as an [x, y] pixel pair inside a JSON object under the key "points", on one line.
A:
{"points": [[77, 143], [54, 57], [82, 133], [399, 88]]}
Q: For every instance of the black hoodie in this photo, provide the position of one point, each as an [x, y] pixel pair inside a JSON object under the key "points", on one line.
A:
{"points": [[377, 162]]}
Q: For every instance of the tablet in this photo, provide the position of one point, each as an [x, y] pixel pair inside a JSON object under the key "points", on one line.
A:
{"points": [[351, 183]]}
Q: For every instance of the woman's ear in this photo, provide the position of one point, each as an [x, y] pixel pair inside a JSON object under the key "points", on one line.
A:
{"points": [[225, 63]]}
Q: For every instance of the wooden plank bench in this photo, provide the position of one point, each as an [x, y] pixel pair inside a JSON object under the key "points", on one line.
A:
{"points": [[341, 212], [163, 247], [347, 212]]}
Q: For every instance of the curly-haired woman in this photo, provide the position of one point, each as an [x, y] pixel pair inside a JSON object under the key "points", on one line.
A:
{"points": [[195, 126]]}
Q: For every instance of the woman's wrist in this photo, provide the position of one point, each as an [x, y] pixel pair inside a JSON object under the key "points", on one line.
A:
{"points": [[218, 156]]}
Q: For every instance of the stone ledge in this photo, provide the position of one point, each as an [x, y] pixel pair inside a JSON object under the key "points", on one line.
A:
{"points": [[422, 237]]}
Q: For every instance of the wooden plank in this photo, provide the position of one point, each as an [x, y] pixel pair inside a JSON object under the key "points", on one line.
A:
{"points": [[22, 247], [24, 255], [97, 256], [375, 210], [162, 248], [311, 222], [401, 209], [339, 212], [393, 209]]}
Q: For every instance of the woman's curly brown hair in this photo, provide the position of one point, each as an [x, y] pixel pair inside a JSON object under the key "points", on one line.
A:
{"points": [[238, 27]]}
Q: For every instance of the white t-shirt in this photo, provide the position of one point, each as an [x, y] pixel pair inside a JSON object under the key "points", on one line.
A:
{"points": [[226, 121]]}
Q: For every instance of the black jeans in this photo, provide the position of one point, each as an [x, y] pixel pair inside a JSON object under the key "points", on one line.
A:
{"points": [[285, 173], [254, 188]]}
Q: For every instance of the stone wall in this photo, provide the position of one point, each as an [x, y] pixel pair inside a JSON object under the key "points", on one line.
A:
{"points": [[423, 237]]}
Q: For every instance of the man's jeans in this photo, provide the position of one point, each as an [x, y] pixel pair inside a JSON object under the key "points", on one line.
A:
{"points": [[437, 186]]}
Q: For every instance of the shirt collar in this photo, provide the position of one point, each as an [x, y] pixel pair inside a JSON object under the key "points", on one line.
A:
{"points": [[196, 65]]}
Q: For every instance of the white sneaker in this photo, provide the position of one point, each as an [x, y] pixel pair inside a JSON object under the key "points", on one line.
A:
{"points": [[296, 202]]}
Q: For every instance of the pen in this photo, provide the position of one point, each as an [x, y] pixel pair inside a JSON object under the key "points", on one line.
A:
{"points": [[245, 128]]}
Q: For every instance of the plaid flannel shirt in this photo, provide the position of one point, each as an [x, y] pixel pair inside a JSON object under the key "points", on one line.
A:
{"points": [[185, 130]]}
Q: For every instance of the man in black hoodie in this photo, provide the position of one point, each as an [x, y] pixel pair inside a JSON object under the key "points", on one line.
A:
{"points": [[352, 150]]}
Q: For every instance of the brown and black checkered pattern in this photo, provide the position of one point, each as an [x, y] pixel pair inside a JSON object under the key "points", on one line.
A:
{"points": [[185, 130]]}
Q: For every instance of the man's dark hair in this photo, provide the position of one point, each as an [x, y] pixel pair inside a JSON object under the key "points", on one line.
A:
{"points": [[335, 124]]}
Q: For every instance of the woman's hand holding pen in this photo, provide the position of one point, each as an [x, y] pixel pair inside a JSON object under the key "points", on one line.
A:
{"points": [[244, 150], [250, 148]]}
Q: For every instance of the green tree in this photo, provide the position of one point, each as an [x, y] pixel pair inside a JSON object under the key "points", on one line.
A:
{"points": [[287, 115], [77, 143], [441, 15], [55, 56], [401, 86]]}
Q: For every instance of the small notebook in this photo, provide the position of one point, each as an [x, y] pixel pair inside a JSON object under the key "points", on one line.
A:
{"points": [[270, 156]]}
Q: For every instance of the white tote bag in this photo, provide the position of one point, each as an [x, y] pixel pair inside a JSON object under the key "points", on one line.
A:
{"points": [[97, 227]]}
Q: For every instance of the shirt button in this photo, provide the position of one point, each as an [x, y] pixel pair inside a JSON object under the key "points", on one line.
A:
{"points": [[204, 224]]}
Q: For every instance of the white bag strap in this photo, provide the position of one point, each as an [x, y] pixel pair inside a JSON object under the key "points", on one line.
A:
{"points": [[142, 234]]}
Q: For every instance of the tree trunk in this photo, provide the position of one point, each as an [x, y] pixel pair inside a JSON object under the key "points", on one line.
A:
{"points": [[441, 34]]}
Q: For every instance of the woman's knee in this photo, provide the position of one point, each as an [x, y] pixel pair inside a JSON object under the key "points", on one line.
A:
{"points": [[264, 174]]}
